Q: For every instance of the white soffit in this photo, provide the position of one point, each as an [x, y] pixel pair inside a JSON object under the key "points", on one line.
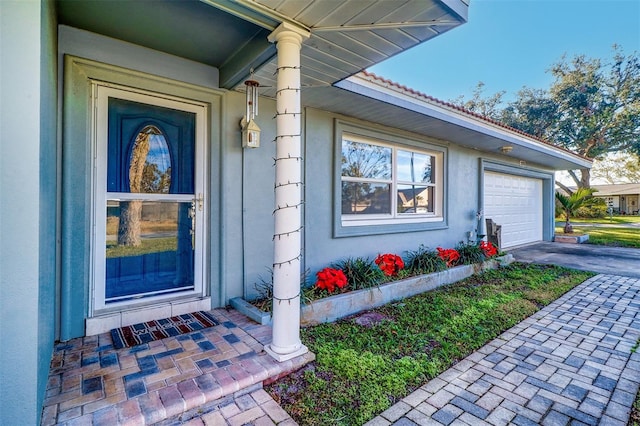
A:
{"points": [[348, 36]]}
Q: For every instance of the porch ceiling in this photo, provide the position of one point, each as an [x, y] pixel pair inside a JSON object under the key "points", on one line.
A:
{"points": [[347, 36]]}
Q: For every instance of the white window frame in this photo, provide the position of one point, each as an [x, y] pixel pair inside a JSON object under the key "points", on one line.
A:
{"points": [[395, 217], [344, 226]]}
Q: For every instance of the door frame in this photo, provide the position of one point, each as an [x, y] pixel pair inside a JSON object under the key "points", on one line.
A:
{"points": [[75, 315], [101, 92]]}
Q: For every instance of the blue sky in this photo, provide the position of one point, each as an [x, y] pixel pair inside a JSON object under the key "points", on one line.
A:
{"points": [[508, 44]]}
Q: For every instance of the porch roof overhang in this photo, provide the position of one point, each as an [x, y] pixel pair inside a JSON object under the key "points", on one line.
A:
{"points": [[347, 36], [371, 98]]}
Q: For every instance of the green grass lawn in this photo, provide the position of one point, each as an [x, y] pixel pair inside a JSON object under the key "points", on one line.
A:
{"points": [[361, 370], [615, 219], [148, 245], [618, 237]]}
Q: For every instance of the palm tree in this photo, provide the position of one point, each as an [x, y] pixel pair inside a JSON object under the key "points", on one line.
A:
{"points": [[583, 197]]}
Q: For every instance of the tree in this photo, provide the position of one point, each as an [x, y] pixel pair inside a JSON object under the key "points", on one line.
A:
{"points": [[487, 106], [131, 211], [592, 108], [598, 107], [533, 112], [617, 168], [582, 197]]}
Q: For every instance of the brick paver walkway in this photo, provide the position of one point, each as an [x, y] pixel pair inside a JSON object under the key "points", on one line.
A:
{"points": [[211, 376], [573, 362]]}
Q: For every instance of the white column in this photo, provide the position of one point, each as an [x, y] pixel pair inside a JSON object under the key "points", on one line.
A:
{"points": [[286, 342]]}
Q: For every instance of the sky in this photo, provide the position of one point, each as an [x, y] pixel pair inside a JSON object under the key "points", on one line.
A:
{"points": [[508, 44]]}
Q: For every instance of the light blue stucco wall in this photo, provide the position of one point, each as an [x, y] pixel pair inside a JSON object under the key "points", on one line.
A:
{"points": [[248, 199], [27, 207], [463, 196], [49, 208], [322, 248]]}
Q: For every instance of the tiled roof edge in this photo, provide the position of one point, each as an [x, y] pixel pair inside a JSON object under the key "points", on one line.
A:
{"points": [[399, 87]]}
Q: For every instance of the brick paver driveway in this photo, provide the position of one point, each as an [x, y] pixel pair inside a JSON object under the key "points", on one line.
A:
{"points": [[573, 362]]}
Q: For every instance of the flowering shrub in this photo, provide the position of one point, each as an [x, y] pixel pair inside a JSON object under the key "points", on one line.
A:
{"points": [[389, 263], [424, 261], [448, 255], [329, 278], [488, 249], [361, 272]]}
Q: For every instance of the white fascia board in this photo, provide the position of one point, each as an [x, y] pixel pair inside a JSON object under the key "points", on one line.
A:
{"points": [[417, 103]]}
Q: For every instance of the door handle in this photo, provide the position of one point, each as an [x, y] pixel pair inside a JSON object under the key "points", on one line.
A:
{"points": [[200, 201], [192, 216]]}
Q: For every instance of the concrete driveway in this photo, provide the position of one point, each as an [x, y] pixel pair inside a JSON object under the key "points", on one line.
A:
{"points": [[587, 257]]}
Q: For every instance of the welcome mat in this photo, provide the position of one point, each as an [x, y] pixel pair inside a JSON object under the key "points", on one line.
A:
{"points": [[144, 332]]}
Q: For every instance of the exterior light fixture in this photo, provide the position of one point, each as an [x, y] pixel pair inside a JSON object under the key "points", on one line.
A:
{"points": [[250, 130], [506, 149]]}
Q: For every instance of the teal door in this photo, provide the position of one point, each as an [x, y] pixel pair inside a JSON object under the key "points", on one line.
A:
{"points": [[152, 204]]}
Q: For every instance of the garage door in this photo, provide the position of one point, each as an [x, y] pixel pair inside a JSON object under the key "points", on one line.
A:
{"points": [[515, 202]]}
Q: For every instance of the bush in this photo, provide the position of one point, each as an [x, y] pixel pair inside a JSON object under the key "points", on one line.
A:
{"points": [[598, 210], [424, 261], [469, 254], [360, 272], [264, 288]]}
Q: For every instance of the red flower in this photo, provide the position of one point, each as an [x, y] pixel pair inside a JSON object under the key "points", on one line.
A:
{"points": [[329, 278], [389, 263], [448, 255], [489, 249]]}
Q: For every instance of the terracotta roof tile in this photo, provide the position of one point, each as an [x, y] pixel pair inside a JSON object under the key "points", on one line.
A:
{"points": [[449, 105]]}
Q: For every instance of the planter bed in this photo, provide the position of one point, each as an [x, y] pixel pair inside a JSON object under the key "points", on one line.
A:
{"points": [[330, 309]]}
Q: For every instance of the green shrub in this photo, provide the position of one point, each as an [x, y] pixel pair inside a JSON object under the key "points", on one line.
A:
{"points": [[596, 209], [360, 272], [592, 212], [264, 288], [469, 254], [424, 261]]}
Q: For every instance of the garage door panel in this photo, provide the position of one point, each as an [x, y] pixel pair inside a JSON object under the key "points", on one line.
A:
{"points": [[515, 202]]}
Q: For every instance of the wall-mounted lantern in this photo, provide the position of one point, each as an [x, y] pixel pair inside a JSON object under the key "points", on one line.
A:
{"points": [[250, 130]]}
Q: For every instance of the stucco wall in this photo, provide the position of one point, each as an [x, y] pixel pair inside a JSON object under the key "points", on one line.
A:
{"points": [[48, 230], [27, 207], [321, 248], [247, 198]]}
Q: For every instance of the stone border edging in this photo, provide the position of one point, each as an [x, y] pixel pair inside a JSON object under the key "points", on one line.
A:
{"points": [[332, 308]]}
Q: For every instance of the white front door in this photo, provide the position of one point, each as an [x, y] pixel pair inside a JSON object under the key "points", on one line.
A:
{"points": [[515, 202], [149, 208]]}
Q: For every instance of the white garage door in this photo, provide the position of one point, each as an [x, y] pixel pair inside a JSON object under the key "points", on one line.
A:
{"points": [[515, 202]]}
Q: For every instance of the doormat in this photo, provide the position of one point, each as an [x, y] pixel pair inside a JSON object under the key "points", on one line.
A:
{"points": [[144, 332]]}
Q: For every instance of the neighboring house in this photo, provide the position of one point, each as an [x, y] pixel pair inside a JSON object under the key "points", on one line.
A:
{"points": [[126, 194], [622, 197]]}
